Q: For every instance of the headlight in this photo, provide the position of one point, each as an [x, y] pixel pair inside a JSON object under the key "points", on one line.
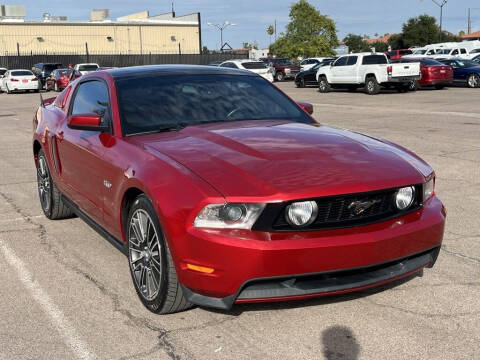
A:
{"points": [[301, 213], [228, 216], [404, 197], [428, 189]]}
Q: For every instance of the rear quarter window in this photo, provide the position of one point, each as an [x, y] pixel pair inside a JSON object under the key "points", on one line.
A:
{"points": [[374, 60]]}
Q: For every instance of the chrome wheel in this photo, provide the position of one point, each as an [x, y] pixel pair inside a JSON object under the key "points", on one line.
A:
{"points": [[144, 254], [473, 81], [44, 184], [370, 86], [323, 85]]}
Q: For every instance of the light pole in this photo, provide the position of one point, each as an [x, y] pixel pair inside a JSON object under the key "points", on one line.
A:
{"points": [[469, 27], [441, 4], [221, 27]]}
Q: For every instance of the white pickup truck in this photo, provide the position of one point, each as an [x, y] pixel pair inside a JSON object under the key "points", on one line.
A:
{"points": [[368, 70]]}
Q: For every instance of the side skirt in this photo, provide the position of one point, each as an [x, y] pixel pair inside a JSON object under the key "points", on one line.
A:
{"points": [[97, 227]]}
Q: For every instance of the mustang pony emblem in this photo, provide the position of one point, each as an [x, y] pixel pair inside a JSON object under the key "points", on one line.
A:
{"points": [[358, 207]]}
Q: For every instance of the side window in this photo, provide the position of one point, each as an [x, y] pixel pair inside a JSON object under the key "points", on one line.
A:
{"points": [[227, 64], [233, 66], [304, 62], [455, 52], [430, 52], [374, 60], [91, 97], [341, 61], [352, 60], [463, 51]]}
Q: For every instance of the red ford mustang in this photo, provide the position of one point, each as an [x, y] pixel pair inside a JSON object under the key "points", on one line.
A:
{"points": [[221, 190]]}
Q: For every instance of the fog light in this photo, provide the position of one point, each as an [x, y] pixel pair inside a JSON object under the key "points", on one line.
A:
{"points": [[404, 197], [301, 213]]}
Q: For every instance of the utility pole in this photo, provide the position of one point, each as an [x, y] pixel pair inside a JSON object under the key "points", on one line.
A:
{"points": [[469, 28], [440, 4], [275, 29]]}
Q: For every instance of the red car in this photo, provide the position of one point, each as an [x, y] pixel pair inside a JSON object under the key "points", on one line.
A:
{"points": [[220, 189], [398, 54], [58, 79], [282, 68], [434, 73]]}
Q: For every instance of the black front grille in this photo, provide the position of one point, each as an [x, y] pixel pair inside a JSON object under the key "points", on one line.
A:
{"points": [[338, 211]]}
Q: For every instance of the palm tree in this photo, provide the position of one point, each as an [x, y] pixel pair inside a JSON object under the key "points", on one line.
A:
{"points": [[270, 31]]}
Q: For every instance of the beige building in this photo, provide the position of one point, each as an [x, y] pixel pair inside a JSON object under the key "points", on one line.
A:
{"points": [[132, 34]]}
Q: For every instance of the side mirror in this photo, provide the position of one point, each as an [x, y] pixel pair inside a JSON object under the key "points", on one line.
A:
{"points": [[89, 122], [306, 107]]}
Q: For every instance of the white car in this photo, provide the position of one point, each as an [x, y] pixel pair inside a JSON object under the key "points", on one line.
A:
{"points": [[307, 64], [19, 80], [86, 68], [448, 53], [368, 70], [258, 67]]}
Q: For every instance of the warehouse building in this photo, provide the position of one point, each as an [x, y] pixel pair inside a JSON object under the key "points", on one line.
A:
{"points": [[137, 33]]}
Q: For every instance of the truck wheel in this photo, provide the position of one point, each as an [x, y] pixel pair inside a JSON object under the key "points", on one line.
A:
{"points": [[301, 83], [279, 76], [413, 85], [473, 81], [323, 85], [371, 86]]}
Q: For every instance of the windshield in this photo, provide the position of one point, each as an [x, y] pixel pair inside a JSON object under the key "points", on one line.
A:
{"points": [[156, 103], [87, 67], [419, 52], [22, 73], [284, 62], [64, 72]]}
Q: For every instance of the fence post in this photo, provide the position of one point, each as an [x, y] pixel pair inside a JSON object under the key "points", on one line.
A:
{"points": [[18, 49], [179, 49], [86, 51]]}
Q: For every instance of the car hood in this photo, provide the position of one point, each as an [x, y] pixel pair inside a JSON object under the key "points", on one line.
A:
{"points": [[285, 160]]}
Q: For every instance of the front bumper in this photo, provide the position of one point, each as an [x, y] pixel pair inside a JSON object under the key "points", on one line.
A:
{"points": [[322, 284], [252, 266]]}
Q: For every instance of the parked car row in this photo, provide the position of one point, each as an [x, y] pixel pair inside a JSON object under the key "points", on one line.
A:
{"points": [[374, 71], [47, 76]]}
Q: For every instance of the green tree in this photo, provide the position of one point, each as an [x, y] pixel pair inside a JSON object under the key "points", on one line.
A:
{"points": [[270, 32], [309, 33], [379, 46], [420, 31], [356, 43], [396, 41]]}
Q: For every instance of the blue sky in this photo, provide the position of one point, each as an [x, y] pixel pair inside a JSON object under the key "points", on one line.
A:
{"points": [[253, 16]]}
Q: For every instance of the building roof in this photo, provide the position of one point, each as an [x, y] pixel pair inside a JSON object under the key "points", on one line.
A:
{"points": [[383, 39], [474, 35]]}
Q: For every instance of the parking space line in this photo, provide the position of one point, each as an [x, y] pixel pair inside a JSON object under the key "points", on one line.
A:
{"points": [[403, 110], [63, 326]]}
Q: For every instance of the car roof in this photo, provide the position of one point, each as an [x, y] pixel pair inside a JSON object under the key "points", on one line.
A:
{"points": [[165, 70], [19, 70], [40, 64]]}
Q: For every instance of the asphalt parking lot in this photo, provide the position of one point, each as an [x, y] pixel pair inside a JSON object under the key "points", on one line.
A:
{"points": [[66, 293]]}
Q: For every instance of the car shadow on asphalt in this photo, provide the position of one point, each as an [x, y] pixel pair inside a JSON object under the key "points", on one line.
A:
{"points": [[239, 309]]}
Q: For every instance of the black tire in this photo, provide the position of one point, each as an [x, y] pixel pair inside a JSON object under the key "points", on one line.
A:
{"points": [[51, 201], [371, 86], [168, 298], [279, 76], [413, 85], [439, 87], [323, 85], [301, 83], [473, 81]]}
